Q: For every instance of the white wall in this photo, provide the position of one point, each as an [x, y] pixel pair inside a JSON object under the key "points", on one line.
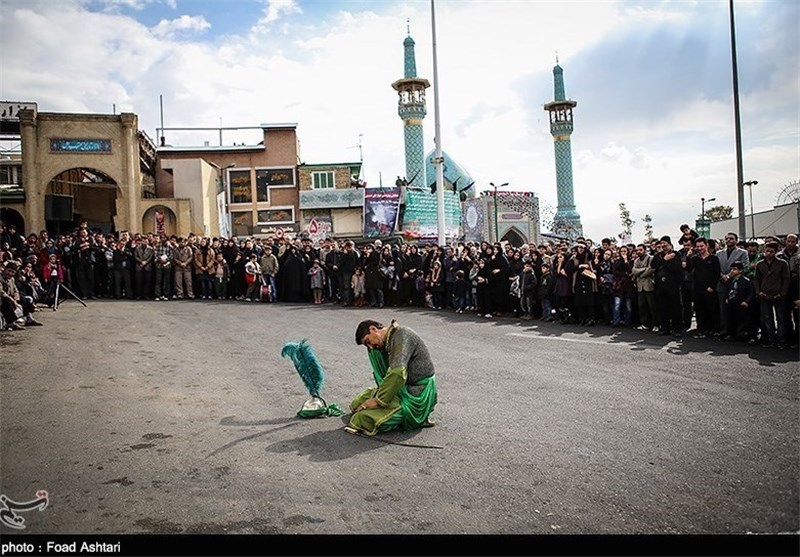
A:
{"points": [[196, 180], [780, 221]]}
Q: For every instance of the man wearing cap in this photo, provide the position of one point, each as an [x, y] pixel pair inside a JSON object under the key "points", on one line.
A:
{"points": [[405, 394], [11, 302], [667, 266], [269, 267]]}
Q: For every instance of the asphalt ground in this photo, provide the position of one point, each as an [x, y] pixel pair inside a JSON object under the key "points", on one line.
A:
{"points": [[180, 418]]}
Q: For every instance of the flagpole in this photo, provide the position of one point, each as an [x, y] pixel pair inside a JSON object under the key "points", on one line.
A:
{"points": [[437, 159]]}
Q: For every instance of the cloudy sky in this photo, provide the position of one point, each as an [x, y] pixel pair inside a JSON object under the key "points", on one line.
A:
{"points": [[654, 125]]}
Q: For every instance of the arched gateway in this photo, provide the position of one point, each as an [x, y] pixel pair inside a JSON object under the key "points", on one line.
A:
{"points": [[80, 194], [83, 166]]}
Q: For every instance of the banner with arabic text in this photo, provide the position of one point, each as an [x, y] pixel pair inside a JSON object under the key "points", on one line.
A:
{"points": [[381, 208]]}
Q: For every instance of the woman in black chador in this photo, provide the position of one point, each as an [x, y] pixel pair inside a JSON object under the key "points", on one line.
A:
{"points": [[294, 274], [584, 285]]}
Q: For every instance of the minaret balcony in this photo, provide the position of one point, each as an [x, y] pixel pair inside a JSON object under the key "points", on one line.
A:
{"points": [[561, 128], [411, 110]]}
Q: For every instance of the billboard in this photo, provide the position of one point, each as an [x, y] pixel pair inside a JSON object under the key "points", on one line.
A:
{"points": [[381, 209]]}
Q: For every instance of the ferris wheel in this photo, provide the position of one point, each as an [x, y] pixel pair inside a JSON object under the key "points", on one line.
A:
{"points": [[789, 194]]}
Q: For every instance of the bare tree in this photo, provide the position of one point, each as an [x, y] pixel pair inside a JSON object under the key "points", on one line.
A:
{"points": [[625, 219]]}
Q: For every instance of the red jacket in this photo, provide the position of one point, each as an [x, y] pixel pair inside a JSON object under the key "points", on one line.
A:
{"points": [[47, 269]]}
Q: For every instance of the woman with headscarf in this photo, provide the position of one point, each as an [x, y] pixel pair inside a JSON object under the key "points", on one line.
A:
{"points": [[373, 277], [294, 276], [230, 252], [413, 264], [584, 285], [563, 287], [245, 249], [499, 286]]}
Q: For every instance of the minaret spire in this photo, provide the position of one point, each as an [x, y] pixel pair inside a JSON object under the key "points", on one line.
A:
{"points": [[412, 110], [567, 221], [410, 60]]}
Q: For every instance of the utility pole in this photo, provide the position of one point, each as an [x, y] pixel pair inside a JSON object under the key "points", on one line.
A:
{"points": [[738, 130], [438, 159]]}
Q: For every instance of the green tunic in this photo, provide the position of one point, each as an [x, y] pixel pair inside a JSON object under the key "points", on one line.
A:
{"points": [[406, 385]]}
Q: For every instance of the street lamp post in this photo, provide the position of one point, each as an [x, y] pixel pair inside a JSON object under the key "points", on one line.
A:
{"points": [[496, 227], [703, 200], [752, 183]]}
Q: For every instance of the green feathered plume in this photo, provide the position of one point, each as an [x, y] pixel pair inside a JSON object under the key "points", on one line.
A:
{"points": [[312, 373], [307, 365]]}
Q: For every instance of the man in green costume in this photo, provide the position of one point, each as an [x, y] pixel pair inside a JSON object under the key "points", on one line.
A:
{"points": [[406, 386]]}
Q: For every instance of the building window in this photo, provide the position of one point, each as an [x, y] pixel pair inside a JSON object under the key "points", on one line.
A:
{"points": [[262, 186], [240, 186], [277, 176], [282, 215], [9, 175], [323, 180], [242, 223]]}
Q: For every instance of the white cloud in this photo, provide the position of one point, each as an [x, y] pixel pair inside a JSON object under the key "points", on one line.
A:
{"points": [[274, 10], [112, 5], [183, 25]]}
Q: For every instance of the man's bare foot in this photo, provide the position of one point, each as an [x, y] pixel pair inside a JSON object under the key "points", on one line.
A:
{"points": [[428, 423]]}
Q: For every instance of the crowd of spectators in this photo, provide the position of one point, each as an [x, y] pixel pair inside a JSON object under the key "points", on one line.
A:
{"points": [[735, 291]]}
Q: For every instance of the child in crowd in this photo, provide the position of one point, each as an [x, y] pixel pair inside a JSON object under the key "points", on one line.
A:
{"points": [[221, 274], [527, 287], [252, 276], [317, 281], [738, 302], [419, 289], [359, 287], [52, 273], [544, 292]]}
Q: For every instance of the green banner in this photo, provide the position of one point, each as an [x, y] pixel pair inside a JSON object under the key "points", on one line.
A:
{"points": [[421, 218]]}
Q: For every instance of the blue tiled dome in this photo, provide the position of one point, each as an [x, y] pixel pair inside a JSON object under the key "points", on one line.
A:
{"points": [[452, 172]]}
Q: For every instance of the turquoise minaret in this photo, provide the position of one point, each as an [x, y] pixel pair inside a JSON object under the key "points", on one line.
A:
{"points": [[411, 108], [567, 221]]}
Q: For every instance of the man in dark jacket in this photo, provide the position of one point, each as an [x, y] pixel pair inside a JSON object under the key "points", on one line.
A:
{"points": [[705, 270], [348, 263], [333, 263], [668, 273], [772, 287]]}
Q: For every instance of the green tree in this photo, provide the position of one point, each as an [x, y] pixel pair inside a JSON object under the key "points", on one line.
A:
{"points": [[648, 228], [718, 213]]}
